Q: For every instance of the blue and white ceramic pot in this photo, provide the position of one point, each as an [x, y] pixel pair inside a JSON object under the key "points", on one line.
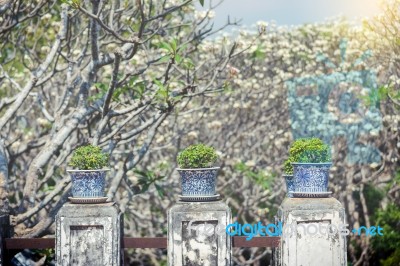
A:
{"points": [[199, 181], [289, 180], [311, 177], [88, 183]]}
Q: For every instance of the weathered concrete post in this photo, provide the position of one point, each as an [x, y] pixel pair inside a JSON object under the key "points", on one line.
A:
{"points": [[5, 229], [89, 234], [313, 232], [196, 234]]}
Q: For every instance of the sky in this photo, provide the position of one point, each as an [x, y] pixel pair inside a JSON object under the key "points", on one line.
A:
{"points": [[292, 12]]}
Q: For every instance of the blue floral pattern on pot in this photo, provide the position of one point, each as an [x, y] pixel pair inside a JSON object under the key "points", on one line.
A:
{"points": [[199, 182], [88, 183], [311, 177], [289, 180]]}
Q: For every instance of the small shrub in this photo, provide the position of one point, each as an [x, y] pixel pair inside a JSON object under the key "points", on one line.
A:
{"points": [[197, 156], [309, 150], [88, 157], [288, 167], [386, 248]]}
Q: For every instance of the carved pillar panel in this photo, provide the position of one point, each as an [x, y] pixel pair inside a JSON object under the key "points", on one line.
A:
{"points": [[89, 234], [196, 234], [311, 232]]}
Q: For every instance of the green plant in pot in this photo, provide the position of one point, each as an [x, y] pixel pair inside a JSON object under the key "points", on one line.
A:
{"points": [[311, 160], [197, 170], [288, 175], [89, 170]]}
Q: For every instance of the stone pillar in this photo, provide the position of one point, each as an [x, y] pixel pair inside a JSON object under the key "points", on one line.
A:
{"points": [[196, 234], [312, 232], [89, 234]]}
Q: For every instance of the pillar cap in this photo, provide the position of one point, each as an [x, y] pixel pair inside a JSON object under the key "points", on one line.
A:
{"points": [[311, 204]]}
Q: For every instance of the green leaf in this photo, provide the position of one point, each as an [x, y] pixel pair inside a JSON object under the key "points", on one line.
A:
{"points": [[188, 63], [201, 2], [164, 59], [73, 3], [162, 93], [166, 46], [145, 187], [183, 47], [101, 86], [158, 83], [139, 89], [258, 53], [174, 45], [178, 59], [139, 172], [178, 98], [159, 190]]}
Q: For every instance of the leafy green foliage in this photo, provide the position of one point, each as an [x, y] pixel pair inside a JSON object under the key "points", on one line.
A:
{"points": [[170, 48], [309, 150], [134, 89], [197, 156], [201, 2], [88, 157], [375, 96], [49, 253], [102, 90], [258, 53], [288, 167], [175, 52], [387, 247], [373, 196], [73, 3], [162, 92], [258, 176], [395, 181], [147, 178]]}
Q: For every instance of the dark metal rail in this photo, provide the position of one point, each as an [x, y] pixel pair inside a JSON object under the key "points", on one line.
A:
{"points": [[137, 242]]}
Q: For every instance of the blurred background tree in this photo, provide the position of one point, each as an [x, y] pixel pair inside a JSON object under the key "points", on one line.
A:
{"points": [[144, 79], [108, 73]]}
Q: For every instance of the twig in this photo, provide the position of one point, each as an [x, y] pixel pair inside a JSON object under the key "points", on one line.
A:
{"points": [[38, 73], [113, 84]]}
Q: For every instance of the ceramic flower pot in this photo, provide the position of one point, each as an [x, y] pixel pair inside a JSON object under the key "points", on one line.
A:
{"points": [[289, 180], [311, 177], [198, 182], [88, 183]]}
